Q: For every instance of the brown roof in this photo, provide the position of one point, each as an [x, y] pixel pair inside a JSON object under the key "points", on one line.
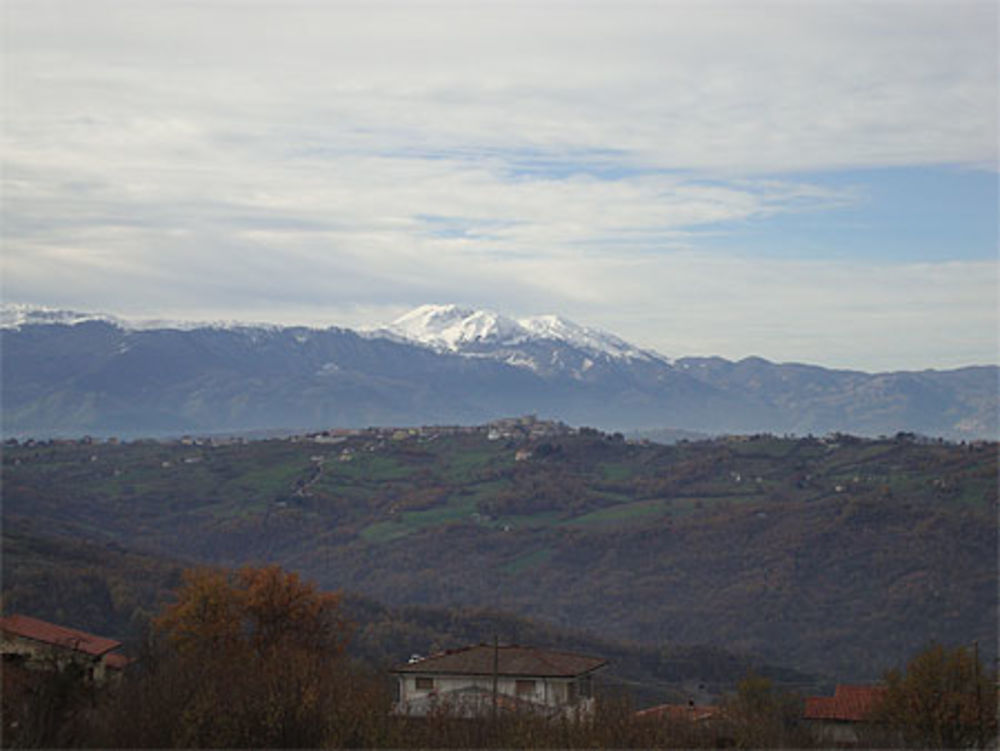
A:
{"points": [[511, 660], [49, 633], [848, 703], [117, 661], [686, 712]]}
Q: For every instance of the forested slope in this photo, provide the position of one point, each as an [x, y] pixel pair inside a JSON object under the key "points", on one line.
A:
{"points": [[836, 555]]}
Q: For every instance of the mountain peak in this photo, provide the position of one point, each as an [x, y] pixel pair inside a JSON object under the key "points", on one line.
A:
{"points": [[434, 312], [467, 330], [451, 326]]}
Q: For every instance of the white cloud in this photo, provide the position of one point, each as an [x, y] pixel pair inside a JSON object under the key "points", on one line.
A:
{"points": [[316, 160], [736, 86]]}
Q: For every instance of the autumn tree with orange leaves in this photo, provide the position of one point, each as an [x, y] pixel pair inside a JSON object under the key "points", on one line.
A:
{"points": [[944, 698], [252, 657], [254, 610]]}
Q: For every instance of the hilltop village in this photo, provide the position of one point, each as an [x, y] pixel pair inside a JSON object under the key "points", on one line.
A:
{"points": [[528, 427]]}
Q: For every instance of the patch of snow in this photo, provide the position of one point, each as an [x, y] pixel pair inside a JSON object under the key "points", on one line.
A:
{"points": [[520, 361]]}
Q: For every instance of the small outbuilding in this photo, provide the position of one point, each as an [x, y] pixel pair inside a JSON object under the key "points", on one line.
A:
{"points": [[37, 644]]}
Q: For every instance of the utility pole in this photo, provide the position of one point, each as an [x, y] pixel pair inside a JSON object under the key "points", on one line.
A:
{"points": [[979, 692], [496, 674]]}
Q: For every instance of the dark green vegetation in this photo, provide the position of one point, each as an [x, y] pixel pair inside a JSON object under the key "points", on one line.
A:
{"points": [[106, 590], [216, 673], [841, 556]]}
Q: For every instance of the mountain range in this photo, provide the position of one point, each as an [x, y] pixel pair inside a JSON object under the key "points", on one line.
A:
{"points": [[70, 373]]}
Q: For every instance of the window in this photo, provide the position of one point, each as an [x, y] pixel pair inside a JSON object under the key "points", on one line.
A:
{"points": [[524, 687], [424, 683]]}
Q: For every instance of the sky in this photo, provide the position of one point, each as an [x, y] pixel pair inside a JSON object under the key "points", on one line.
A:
{"points": [[810, 181]]}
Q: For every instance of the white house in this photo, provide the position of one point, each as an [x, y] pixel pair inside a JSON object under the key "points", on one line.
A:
{"points": [[477, 680]]}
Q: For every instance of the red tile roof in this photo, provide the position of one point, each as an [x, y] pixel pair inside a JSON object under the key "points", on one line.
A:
{"points": [[511, 659], [49, 633], [848, 703]]}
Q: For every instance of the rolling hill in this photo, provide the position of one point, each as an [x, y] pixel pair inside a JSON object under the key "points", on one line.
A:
{"points": [[840, 555]]}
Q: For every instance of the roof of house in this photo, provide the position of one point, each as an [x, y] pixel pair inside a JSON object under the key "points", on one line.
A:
{"points": [[510, 659], [685, 712], [848, 703], [59, 636]]}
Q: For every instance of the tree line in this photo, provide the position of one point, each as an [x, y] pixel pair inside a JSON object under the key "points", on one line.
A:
{"points": [[258, 657]]}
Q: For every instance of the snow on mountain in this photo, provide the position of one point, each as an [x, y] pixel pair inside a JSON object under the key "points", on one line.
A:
{"points": [[450, 327], [15, 315], [593, 340], [538, 343], [468, 331], [276, 376]]}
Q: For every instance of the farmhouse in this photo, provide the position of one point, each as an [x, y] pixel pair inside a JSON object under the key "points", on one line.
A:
{"points": [[37, 644], [477, 680]]}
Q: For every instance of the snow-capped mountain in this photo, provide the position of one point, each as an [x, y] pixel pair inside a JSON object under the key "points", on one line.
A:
{"points": [[450, 327], [15, 315], [545, 343], [66, 373]]}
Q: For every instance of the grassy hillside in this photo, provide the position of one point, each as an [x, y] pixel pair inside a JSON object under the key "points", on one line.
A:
{"points": [[839, 555]]}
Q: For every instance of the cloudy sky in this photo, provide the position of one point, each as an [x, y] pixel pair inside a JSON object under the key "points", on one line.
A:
{"points": [[812, 181]]}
